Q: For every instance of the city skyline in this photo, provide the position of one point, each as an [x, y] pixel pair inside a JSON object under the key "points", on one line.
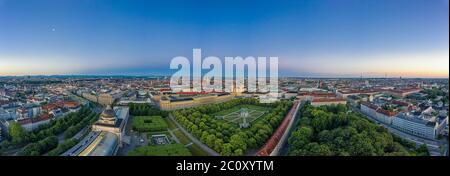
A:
{"points": [[324, 38]]}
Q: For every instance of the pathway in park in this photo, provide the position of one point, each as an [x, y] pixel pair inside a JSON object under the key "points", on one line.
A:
{"points": [[173, 135], [194, 140]]}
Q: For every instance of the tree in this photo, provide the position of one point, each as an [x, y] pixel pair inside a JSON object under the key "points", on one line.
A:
{"points": [[238, 152], [41, 147], [210, 140], [330, 130], [315, 149], [218, 145], [301, 137], [360, 145], [17, 133], [201, 122], [422, 150], [227, 150], [238, 142]]}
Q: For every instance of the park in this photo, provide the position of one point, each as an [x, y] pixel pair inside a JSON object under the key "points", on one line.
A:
{"points": [[235, 127]]}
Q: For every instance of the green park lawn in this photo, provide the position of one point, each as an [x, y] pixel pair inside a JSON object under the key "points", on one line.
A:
{"points": [[149, 123]]}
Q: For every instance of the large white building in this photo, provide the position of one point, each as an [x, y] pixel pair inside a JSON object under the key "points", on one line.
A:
{"points": [[111, 128], [415, 125]]}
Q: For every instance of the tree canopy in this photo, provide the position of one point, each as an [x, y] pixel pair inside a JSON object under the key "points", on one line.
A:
{"points": [[226, 138], [332, 131]]}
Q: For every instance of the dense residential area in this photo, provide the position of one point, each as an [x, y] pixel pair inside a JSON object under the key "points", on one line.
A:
{"points": [[143, 116]]}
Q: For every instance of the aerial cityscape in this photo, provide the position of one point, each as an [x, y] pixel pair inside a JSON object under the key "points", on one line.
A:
{"points": [[96, 78]]}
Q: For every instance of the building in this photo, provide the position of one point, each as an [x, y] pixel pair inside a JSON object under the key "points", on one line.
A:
{"points": [[24, 113], [112, 121], [90, 97], [415, 125], [355, 100], [402, 92], [106, 99], [377, 112], [328, 101], [309, 96], [319, 98], [30, 124], [72, 106], [272, 146], [106, 144], [7, 114], [174, 102], [346, 93]]}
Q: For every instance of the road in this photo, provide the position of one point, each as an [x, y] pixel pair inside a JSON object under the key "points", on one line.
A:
{"points": [[195, 140], [433, 145]]}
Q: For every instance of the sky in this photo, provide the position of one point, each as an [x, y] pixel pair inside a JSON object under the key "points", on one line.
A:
{"points": [[314, 38]]}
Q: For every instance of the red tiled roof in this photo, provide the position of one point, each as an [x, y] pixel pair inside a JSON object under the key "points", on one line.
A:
{"points": [[386, 112], [401, 103], [35, 120], [197, 93], [357, 91], [317, 94], [327, 100], [270, 145], [71, 104], [49, 107]]}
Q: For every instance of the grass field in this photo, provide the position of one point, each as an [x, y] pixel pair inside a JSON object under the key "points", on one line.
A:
{"points": [[194, 149], [149, 123], [232, 115]]}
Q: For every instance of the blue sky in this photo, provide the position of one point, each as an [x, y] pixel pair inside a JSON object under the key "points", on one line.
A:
{"points": [[341, 38]]}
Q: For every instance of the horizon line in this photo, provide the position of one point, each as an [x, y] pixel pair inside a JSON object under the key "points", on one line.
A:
{"points": [[163, 75]]}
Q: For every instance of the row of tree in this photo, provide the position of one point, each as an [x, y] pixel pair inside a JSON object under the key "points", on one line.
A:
{"points": [[41, 147], [20, 137], [334, 131], [140, 109], [39, 141], [90, 119], [228, 139], [63, 147]]}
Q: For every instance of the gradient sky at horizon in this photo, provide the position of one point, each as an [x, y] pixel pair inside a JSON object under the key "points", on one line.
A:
{"points": [[323, 38]]}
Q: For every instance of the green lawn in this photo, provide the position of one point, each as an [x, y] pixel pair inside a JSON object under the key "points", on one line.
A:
{"points": [[161, 150], [149, 123]]}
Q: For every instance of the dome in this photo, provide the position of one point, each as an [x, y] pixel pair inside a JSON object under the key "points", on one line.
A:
{"points": [[108, 116], [108, 113]]}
